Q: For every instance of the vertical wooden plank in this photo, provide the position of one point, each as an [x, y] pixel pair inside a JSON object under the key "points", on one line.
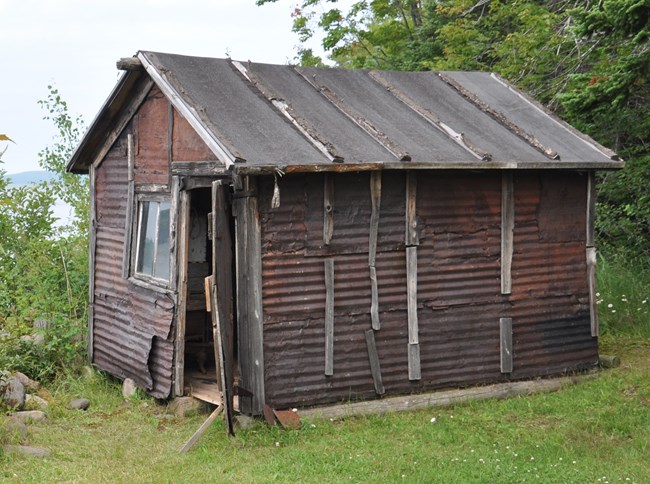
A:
{"points": [[411, 221], [92, 246], [130, 208], [412, 308], [414, 362], [591, 209], [181, 307], [505, 330], [591, 281], [248, 251], [375, 199], [173, 232], [328, 209], [374, 302], [373, 357], [507, 231], [329, 316]]}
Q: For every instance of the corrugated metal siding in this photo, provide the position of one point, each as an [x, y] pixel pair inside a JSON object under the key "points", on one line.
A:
{"points": [[187, 145], [459, 300], [132, 325]]}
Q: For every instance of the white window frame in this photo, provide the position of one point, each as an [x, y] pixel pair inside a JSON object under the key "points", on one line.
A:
{"points": [[137, 240]]}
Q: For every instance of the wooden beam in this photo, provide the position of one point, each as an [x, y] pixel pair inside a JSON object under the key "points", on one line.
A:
{"points": [[130, 207], [591, 281], [129, 64], [412, 237], [412, 307], [591, 209], [375, 199], [505, 330], [373, 356], [507, 231], [248, 252], [173, 232], [92, 248], [444, 398], [181, 307], [329, 316], [328, 209]]}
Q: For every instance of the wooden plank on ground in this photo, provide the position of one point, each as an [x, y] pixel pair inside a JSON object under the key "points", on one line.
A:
{"points": [[505, 330], [375, 368], [507, 231], [201, 430], [329, 316]]}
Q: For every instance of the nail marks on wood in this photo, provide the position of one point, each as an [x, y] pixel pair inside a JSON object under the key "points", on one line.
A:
{"points": [[329, 316]]}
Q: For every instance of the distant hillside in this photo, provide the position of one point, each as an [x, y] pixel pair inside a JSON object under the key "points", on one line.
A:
{"points": [[27, 177]]}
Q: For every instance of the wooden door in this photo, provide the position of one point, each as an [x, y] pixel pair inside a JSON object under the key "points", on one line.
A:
{"points": [[221, 296]]}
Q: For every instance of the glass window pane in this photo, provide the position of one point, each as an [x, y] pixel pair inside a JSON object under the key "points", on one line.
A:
{"points": [[162, 256], [146, 244]]}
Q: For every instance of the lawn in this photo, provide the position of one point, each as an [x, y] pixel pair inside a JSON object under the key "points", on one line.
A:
{"points": [[595, 431]]}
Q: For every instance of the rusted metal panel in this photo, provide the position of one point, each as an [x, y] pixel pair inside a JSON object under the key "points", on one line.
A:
{"points": [[151, 140], [459, 301], [187, 145], [131, 325]]}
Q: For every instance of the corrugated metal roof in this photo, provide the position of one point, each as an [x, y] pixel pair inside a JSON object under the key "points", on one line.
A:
{"points": [[258, 117]]}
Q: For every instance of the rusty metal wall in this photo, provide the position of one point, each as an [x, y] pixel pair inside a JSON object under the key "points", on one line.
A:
{"points": [[151, 136], [132, 332], [459, 299]]}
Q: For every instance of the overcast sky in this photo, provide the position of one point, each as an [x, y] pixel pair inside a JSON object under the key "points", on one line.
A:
{"points": [[74, 44]]}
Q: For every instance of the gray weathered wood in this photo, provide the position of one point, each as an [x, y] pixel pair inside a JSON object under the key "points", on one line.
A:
{"points": [[129, 64], [329, 316], [609, 361], [412, 292], [374, 302], [201, 430], [249, 296], [136, 98], [174, 208], [375, 199], [197, 168], [591, 209], [591, 281], [411, 221], [130, 207], [181, 307], [92, 247], [375, 368], [505, 330], [414, 362], [153, 187], [444, 398], [507, 231], [328, 209]]}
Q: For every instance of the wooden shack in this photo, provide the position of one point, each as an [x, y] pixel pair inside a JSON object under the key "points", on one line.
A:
{"points": [[356, 233]]}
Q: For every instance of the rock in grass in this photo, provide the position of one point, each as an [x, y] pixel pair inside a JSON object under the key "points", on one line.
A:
{"points": [[182, 406], [30, 416], [25, 450], [79, 404], [35, 402], [129, 388], [29, 384], [16, 429], [14, 394]]}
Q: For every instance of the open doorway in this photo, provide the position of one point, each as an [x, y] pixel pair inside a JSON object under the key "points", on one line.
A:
{"points": [[207, 263]]}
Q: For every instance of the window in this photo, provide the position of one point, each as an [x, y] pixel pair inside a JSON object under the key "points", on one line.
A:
{"points": [[152, 249]]}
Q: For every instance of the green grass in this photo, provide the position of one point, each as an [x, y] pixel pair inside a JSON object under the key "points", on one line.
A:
{"points": [[596, 431]]}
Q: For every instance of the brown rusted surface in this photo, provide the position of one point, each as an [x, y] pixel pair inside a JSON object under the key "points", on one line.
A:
{"points": [[459, 299], [151, 140], [132, 325], [187, 145]]}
